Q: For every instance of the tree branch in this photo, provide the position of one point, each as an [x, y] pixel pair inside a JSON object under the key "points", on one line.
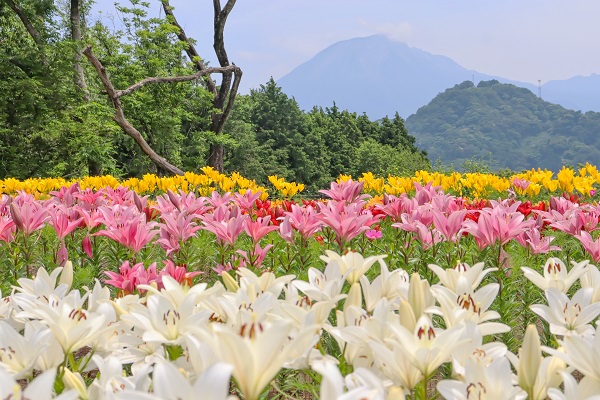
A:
{"points": [[190, 49], [237, 73], [174, 79], [35, 35], [120, 119]]}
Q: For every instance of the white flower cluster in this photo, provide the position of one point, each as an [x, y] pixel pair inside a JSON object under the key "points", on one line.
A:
{"points": [[392, 335]]}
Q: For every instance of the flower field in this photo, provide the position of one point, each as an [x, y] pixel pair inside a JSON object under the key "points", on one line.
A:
{"points": [[455, 286]]}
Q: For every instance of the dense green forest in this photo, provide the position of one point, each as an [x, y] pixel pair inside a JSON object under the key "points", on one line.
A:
{"points": [[56, 118], [508, 126]]}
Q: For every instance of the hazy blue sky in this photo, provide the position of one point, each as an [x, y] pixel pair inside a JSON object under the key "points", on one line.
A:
{"points": [[523, 40]]}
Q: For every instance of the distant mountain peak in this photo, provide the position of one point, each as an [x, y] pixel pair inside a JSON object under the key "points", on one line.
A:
{"points": [[378, 76], [374, 75]]}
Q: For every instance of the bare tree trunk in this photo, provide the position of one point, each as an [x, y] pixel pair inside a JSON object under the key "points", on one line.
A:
{"points": [[79, 77], [224, 95], [121, 120]]}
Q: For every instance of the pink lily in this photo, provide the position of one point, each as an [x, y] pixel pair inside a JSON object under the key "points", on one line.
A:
{"points": [[286, 231], [7, 229], [590, 245], [257, 255], [247, 200], [134, 233], [428, 237], [424, 194], [179, 273], [346, 220], [449, 225], [66, 194], [176, 230], [30, 215], [62, 222], [568, 222], [394, 206], [90, 200], [537, 243], [304, 220], [126, 279], [498, 224], [259, 228], [226, 224], [347, 191]]}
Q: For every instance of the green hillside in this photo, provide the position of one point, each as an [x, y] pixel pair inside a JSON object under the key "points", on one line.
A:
{"points": [[511, 125]]}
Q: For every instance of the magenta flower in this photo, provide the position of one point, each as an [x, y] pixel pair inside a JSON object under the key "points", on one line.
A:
{"points": [[449, 225], [133, 233], [259, 228], [179, 273], [499, 224], [129, 278], [347, 220], [226, 224], [28, 214], [537, 243], [62, 222], [373, 234], [590, 245], [126, 279], [348, 191], [304, 220], [176, 230], [247, 200]]}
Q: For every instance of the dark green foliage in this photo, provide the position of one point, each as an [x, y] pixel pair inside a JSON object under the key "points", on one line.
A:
{"points": [[511, 125]]}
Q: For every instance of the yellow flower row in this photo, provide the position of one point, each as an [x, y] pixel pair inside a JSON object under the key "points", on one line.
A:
{"points": [[530, 183], [286, 189], [584, 181], [204, 184]]}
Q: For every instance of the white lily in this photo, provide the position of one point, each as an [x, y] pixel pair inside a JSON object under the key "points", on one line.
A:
{"points": [[267, 282], [571, 390], [388, 285], [582, 353], [361, 384], [257, 352], [449, 277], [18, 354], [323, 286], [352, 265], [491, 382], [44, 284], [164, 322], [536, 374], [170, 384], [426, 348], [568, 316], [556, 275], [40, 388], [591, 278], [71, 324], [467, 305], [483, 354]]}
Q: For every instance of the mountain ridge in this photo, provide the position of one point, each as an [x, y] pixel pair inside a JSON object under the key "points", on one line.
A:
{"points": [[378, 76]]}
